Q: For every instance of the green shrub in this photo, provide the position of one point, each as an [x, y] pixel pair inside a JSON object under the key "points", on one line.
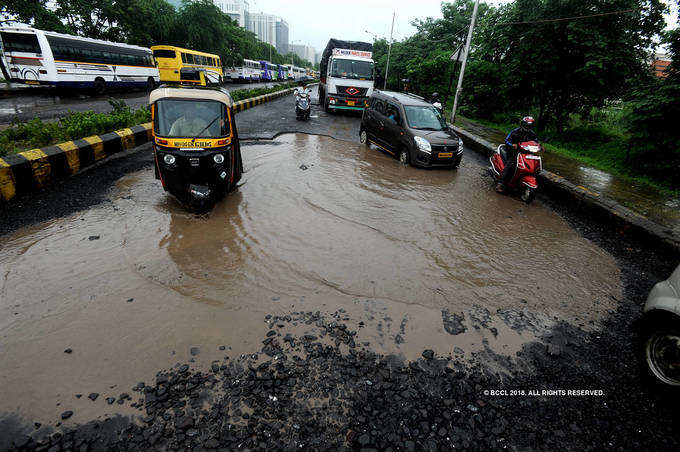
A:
{"points": [[36, 133]]}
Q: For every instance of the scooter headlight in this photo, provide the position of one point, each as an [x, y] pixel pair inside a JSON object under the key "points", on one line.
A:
{"points": [[169, 159], [423, 145], [218, 158]]}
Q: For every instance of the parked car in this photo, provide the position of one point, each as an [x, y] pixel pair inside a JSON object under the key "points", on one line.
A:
{"points": [[410, 129], [659, 340]]}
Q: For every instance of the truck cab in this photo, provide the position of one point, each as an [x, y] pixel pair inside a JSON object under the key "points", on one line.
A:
{"points": [[347, 79]]}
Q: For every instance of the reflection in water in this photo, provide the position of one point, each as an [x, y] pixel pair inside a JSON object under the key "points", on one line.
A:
{"points": [[357, 223], [594, 178], [405, 251]]}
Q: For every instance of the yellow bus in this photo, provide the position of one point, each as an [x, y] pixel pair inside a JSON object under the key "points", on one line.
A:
{"points": [[171, 60]]}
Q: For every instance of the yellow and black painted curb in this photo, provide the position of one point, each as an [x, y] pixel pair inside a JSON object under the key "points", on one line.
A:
{"points": [[253, 101], [623, 219], [32, 170]]}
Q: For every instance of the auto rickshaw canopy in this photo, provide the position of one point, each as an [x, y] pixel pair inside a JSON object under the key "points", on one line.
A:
{"points": [[179, 92]]}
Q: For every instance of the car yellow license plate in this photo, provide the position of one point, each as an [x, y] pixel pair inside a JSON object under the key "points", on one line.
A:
{"points": [[445, 154], [350, 102], [31, 82]]}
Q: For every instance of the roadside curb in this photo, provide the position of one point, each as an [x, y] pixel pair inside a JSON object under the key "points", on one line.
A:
{"points": [[33, 170], [561, 189]]}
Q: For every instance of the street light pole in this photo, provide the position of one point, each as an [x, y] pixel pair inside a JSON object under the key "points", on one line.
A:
{"points": [[389, 51], [459, 88]]}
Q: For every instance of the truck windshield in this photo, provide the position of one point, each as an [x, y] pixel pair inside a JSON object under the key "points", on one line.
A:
{"points": [[355, 69], [176, 118], [424, 118]]}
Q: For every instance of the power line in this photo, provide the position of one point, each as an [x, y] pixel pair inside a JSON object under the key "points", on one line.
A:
{"points": [[611, 13]]}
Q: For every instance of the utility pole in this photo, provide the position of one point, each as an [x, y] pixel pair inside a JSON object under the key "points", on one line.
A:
{"points": [[389, 51], [462, 68]]}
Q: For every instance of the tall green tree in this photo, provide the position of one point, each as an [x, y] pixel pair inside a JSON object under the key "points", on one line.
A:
{"points": [[33, 12]]}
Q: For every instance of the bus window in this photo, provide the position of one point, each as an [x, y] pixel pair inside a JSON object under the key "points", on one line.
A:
{"points": [[20, 42], [164, 53]]}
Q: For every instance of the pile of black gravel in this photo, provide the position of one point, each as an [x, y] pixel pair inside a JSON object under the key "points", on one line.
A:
{"points": [[323, 391]]}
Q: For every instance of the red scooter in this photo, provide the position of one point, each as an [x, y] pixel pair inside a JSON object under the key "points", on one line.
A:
{"points": [[528, 166]]}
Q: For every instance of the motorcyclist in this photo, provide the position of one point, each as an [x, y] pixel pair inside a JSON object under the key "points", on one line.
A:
{"points": [[521, 134], [435, 101], [302, 88]]}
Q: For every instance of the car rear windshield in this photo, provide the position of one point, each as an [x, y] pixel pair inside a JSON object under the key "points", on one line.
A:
{"points": [[179, 118], [424, 118], [164, 53], [360, 70]]}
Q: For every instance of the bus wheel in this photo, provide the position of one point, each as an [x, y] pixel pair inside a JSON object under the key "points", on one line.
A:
{"points": [[150, 84], [99, 85]]}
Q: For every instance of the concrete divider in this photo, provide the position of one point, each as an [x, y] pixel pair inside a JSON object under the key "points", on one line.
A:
{"points": [[559, 188], [31, 170]]}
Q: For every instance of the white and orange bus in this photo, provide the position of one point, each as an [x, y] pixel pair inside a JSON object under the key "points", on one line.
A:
{"points": [[37, 57]]}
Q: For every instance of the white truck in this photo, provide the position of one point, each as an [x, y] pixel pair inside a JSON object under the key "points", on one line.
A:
{"points": [[347, 75]]}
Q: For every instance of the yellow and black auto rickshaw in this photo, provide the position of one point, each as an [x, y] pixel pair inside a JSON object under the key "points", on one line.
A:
{"points": [[196, 146]]}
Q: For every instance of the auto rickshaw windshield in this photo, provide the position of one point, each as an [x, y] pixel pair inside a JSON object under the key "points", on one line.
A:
{"points": [[184, 118]]}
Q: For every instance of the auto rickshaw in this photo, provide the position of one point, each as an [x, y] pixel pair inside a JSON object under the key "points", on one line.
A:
{"points": [[196, 147]]}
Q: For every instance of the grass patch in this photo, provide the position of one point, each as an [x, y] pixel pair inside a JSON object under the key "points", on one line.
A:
{"points": [[36, 133]]}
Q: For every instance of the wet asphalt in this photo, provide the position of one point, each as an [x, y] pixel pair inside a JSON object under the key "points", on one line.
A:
{"points": [[319, 347]]}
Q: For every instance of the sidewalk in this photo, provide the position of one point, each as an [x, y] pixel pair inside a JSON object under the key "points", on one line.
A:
{"points": [[658, 207]]}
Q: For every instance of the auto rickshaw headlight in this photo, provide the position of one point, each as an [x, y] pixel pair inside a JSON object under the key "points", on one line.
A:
{"points": [[218, 158], [169, 159]]}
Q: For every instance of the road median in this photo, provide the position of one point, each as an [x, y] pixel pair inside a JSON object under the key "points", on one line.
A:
{"points": [[622, 218], [36, 169]]}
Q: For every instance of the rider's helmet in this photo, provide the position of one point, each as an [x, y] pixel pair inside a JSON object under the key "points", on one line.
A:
{"points": [[527, 123], [435, 97]]}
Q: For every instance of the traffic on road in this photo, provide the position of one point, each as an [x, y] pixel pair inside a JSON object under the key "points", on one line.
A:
{"points": [[335, 266]]}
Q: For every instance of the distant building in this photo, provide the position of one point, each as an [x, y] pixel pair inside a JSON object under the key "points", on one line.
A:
{"points": [[236, 9], [304, 51], [281, 36], [660, 64], [271, 29]]}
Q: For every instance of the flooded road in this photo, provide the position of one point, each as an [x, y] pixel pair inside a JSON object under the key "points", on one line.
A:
{"points": [[416, 259]]}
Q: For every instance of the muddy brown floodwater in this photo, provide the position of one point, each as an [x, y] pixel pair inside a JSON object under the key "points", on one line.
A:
{"points": [[425, 259]]}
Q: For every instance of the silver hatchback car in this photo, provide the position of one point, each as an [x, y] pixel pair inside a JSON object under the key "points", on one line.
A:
{"points": [[659, 346]]}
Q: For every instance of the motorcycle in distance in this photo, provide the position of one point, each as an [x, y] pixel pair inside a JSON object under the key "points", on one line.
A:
{"points": [[302, 103], [197, 154], [528, 167]]}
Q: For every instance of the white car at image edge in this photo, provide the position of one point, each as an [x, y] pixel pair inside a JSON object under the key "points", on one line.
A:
{"points": [[659, 341]]}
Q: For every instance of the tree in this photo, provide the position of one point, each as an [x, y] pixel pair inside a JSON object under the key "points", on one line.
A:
{"points": [[569, 66], [33, 12]]}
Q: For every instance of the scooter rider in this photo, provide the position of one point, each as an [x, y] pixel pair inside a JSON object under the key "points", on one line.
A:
{"points": [[521, 134], [302, 88], [434, 100]]}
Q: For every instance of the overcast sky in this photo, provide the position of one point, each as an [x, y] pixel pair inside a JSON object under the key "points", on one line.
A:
{"points": [[313, 22]]}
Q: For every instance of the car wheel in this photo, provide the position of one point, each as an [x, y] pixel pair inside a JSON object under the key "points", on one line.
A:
{"points": [[363, 137], [150, 84], [659, 350], [403, 156]]}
